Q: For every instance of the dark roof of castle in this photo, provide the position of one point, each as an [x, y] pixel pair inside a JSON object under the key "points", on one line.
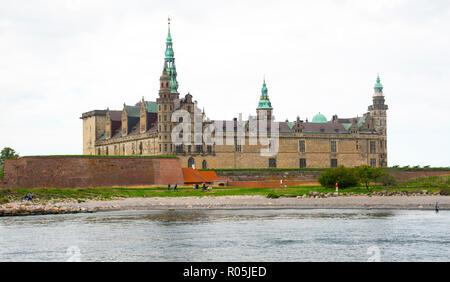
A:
{"points": [[116, 115], [285, 127]]}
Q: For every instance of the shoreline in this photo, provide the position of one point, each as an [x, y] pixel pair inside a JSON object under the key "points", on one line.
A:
{"points": [[422, 202]]}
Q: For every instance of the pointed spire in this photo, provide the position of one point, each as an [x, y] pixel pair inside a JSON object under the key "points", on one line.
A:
{"points": [[169, 62], [264, 102], [169, 49], [169, 37], [378, 86]]}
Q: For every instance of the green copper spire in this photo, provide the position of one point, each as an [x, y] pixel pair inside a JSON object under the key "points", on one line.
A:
{"points": [[378, 86], [169, 62], [264, 102], [169, 49]]}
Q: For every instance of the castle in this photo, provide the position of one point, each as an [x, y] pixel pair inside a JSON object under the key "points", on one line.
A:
{"points": [[146, 129]]}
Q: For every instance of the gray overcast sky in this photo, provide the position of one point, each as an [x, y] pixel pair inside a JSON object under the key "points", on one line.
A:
{"points": [[62, 58]]}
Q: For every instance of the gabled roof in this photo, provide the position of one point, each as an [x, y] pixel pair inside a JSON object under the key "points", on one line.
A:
{"points": [[133, 111]]}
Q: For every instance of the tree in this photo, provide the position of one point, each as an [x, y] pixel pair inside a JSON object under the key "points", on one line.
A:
{"points": [[366, 174], [343, 176], [7, 154]]}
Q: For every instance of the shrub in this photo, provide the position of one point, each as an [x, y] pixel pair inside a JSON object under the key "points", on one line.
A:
{"points": [[4, 200], [272, 196], [343, 176], [1, 173], [445, 191], [386, 179]]}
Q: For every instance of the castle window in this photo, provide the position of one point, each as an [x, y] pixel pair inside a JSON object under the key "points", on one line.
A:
{"points": [[237, 147], [165, 118], [272, 162], [165, 107], [381, 144], [191, 162], [160, 147], [140, 148], [372, 147], [181, 119], [373, 162], [165, 147], [98, 151], [106, 150], [204, 164], [123, 149], [301, 146], [199, 148], [209, 149], [333, 163], [179, 148], [167, 84], [302, 163], [333, 146]]}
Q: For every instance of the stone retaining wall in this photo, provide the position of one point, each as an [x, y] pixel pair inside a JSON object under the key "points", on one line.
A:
{"points": [[70, 172]]}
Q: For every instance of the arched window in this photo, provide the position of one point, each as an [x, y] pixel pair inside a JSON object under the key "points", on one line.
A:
{"points": [[204, 164], [272, 162], [191, 162]]}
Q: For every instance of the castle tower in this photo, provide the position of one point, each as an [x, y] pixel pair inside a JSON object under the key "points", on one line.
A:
{"points": [[377, 112], [168, 94], [264, 109], [378, 108]]}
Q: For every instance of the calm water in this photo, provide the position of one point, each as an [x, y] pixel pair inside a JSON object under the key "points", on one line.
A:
{"points": [[243, 235]]}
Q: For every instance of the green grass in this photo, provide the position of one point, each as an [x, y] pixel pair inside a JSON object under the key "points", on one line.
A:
{"points": [[82, 194], [441, 181]]}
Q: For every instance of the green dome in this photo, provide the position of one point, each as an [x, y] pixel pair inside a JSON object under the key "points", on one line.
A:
{"points": [[319, 118]]}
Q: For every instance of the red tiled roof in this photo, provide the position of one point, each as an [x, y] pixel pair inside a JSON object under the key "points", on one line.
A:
{"points": [[191, 175]]}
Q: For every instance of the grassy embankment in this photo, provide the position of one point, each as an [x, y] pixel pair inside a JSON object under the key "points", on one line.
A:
{"points": [[431, 184]]}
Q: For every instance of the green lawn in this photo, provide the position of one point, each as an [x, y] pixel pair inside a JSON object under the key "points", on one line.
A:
{"points": [[111, 193], [431, 184]]}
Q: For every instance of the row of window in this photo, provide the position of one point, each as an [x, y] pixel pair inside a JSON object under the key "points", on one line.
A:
{"points": [[302, 163], [191, 163], [333, 146]]}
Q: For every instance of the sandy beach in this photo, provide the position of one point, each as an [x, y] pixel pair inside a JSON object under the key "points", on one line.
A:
{"points": [[421, 202]]}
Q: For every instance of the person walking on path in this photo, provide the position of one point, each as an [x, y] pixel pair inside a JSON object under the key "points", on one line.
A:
{"points": [[175, 187], [168, 187]]}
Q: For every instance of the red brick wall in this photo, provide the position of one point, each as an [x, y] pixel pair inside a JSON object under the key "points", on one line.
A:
{"points": [[70, 172]]}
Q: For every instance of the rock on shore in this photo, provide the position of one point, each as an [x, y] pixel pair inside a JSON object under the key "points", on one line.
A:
{"points": [[34, 208]]}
